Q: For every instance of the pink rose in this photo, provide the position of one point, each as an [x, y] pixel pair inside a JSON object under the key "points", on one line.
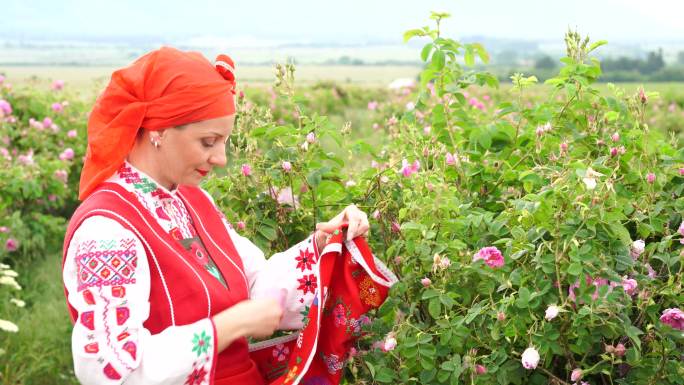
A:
{"points": [[57, 107], [629, 285], [67, 154], [396, 227], [246, 170], [287, 166], [57, 85], [241, 225], [480, 369], [5, 107], [310, 137], [425, 282], [650, 178], [72, 134], [615, 137], [11, 244], [673, 317], [4, 229], [389, 344], [491, 255], [501, 316], [373, 105], [450, 159], [620, 350], [576, 374], [62, 175]]}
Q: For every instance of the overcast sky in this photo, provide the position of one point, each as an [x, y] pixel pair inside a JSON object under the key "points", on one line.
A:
{"points": [[354, 21]]}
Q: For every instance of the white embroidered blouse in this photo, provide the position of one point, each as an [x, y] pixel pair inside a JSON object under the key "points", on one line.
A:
{"points": [[109, 342]]}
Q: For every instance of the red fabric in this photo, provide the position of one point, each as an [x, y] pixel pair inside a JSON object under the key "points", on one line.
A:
{"points": [[162, 89], [322, 347], [186, 292]]}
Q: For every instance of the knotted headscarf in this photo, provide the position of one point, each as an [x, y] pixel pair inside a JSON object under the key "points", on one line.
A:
{"points": [[162, 89]]}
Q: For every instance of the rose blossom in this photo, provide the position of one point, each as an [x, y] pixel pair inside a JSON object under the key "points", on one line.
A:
{"points": [[551, 312], [530, 358], [576, 374], [11, 244], [287, 166], [389, 344], [629, 285], [426, 282], [491, 255], [637, 248], [673, 317], [58, 85], [67, 154], [246, 170], [480, 369], [241, 225], [650, 178]]}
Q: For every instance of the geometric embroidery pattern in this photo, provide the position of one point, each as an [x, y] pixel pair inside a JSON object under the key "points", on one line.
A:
{"points": [[106, 262]]}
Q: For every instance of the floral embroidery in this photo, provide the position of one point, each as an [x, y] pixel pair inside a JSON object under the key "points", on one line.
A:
{"points": [[305, 259], [201, 343], [88, 319], [291, 374], [339, 314], [280, 352], [333, 363], [369, 293], [196, 377], [307, 283], [122, 314], [317, 380]]}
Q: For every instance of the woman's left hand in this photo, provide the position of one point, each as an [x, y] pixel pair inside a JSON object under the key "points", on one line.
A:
{"points": [[356, 220]]}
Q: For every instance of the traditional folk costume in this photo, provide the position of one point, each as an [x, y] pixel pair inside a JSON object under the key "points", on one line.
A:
{"points": [[146, 268]]}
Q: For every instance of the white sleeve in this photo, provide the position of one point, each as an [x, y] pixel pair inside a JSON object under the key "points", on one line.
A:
{"points": [[292, 272], [107, 278]]}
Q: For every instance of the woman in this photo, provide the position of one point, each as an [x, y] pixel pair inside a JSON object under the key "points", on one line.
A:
{"points": [[161, 289]]}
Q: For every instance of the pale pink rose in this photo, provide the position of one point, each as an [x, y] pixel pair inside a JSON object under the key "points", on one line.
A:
{"points": [[576, 374], [681, 171], [425, 282], [375, 126], [67, 154], [374, 164], [426, 130], [287, 166], [629, 285], [450, 159], [680, 230], [373, 105], [392, 120], [651, 273], [396, 227], [673, 317], [444, 263], [564, 146], [620, 350], [410, 106], [2, 79], [310, 137], [47, 122], [530, 358], [376, 215], [11, 244], [491, 255], [286, 198], [637, 248], [615, 137], [241, 225], [72, 134], [501, 316], [389, 344], [27, 159], [4, 229], [57, 85], [650, 178], [480, 369], [246, 170], [62, 175], [551, 312]]}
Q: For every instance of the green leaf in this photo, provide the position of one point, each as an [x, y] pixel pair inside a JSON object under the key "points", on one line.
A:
{"points": [[437, 60], [575, 269], [268, 232], [434, 307], [411, 33], [425, 53], [468, 57]]}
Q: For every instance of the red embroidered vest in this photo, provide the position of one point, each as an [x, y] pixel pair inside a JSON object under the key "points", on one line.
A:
{"points": [[182, 291]]}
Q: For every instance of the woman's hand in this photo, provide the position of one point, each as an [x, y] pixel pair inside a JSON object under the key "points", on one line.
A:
{"points": [[257, 318], [356, 220]]}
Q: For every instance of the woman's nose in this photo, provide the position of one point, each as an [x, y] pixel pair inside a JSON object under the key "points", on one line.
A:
{"points": [[219, 157]]}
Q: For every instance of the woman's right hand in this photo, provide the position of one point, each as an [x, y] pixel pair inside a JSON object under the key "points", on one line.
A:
{"points": [[257, 318], [260, 316]]}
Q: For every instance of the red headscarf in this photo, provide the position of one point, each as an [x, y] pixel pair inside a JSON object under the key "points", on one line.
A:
{"points": [[164, 88]]}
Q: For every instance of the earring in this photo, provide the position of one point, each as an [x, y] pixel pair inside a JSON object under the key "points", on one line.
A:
{"points": [[155, 141]]}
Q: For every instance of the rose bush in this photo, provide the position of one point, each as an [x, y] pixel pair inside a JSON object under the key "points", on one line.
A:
{"points": [[534, 190]]}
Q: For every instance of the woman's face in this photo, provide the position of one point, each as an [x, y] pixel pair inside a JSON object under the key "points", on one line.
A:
{"points": [[187, 153]]}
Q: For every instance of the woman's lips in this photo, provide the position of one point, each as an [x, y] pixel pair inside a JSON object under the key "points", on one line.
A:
{"points": [[201, 172]]}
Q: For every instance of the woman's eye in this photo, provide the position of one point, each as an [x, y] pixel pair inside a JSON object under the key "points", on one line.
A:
{"points": [[208, 142]]}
